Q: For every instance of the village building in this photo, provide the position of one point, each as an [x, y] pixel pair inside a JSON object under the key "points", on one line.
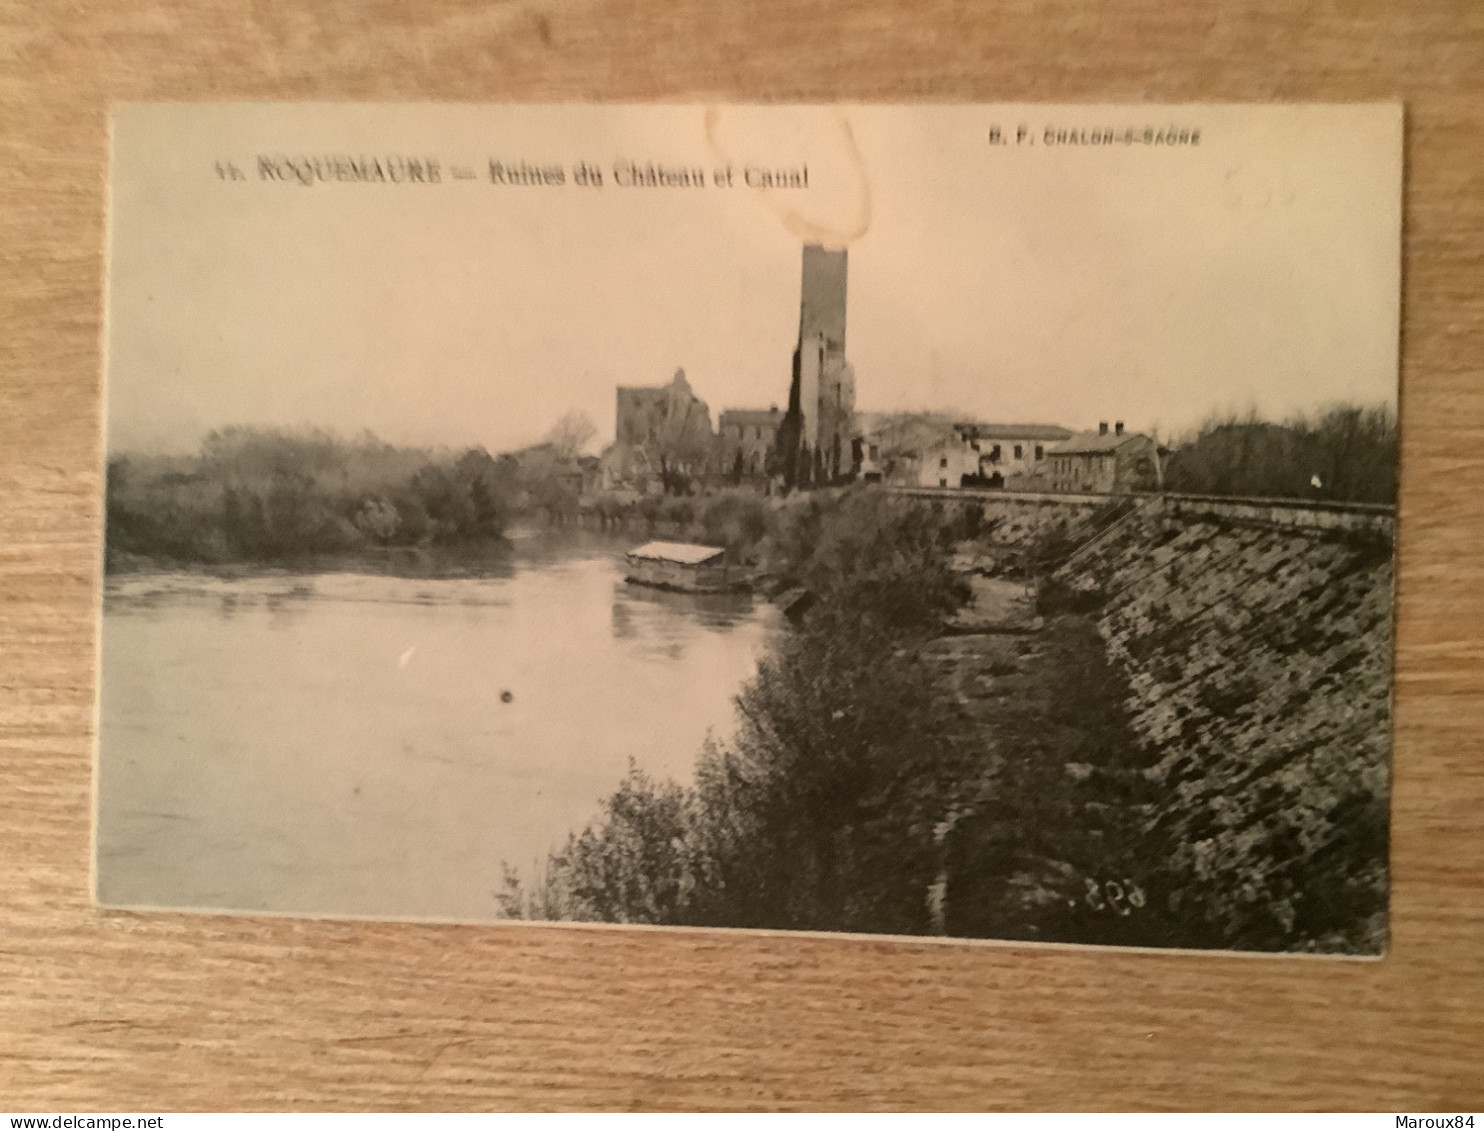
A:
{"points": [[889, 445], [543, 472], [1106, 462], [543, 463], [662, 432], [991, 455], [926, 449], [745, 439]]}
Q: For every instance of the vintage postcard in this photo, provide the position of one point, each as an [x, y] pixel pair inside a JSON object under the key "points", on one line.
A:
{"points": [[963, 521]]}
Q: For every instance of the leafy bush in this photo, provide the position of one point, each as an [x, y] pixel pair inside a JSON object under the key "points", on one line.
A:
{"points": [[819, 814], [738, 520], [871, 556]]}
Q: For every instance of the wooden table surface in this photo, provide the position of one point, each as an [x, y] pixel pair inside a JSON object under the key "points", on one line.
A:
{"points": [[113, 1011]]}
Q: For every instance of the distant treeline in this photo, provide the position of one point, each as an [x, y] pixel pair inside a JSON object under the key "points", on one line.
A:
{"points": [[268, 496], [265, 496], [261, 495], [1346, 453]]}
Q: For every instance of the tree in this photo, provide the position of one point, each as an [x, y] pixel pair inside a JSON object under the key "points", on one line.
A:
{"points": [[570, 434], [1347, 452]]}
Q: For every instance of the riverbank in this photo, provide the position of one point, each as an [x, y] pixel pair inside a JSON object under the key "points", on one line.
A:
{"points": [[521, 544]]}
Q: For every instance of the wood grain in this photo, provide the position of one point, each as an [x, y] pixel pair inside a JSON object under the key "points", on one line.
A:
{"points": [[114, 1011]]}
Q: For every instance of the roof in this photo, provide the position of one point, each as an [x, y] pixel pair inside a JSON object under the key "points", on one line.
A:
{"points": [[898, 432], [750, 416], [684, 553], [976, 431], [1090, 442]]}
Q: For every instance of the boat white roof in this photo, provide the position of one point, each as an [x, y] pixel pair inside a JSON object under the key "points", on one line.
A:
{"points": [[685, 553]]}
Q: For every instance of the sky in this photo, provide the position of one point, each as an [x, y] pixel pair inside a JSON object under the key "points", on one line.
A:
{"points": [[1017, 281]]}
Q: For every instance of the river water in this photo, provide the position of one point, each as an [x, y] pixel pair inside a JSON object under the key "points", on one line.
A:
{"points": [[363, 744]]}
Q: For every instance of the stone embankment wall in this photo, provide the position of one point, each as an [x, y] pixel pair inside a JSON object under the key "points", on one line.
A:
{"points": [[1257, 652]]}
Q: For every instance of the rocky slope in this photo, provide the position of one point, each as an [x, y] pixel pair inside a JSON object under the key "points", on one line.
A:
{"points": [[1258, 664]]}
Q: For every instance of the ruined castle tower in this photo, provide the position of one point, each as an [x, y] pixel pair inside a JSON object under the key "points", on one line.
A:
{"points": [[821, 400]]}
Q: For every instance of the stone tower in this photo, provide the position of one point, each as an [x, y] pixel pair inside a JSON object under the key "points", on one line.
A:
{"points": [[821, 400]]}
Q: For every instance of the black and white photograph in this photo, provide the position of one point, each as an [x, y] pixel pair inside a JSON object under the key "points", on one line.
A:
{"points": [[970, 522]]}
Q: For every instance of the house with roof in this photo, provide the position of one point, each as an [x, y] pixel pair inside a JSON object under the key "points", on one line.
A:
{"points": [[1106, 462], [745, 437], [889, 445]]}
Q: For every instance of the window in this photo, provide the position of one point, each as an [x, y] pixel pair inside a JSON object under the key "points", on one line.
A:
{"points": [[994, 454], [1040, 452], [1019, 452], [875, 452], [942, 483], [943, 463]]}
